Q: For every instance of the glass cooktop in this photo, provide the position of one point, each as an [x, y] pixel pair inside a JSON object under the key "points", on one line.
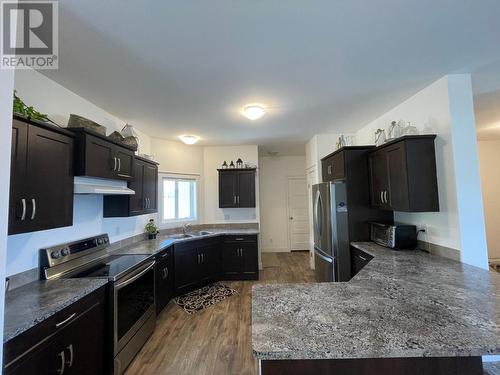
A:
{"points": [[112, 267]]}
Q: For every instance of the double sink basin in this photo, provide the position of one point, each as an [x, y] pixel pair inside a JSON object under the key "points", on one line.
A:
{"points": [[200, 233]]}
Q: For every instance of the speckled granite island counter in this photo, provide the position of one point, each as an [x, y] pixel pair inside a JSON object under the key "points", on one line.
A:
{"points": [[405, 312]]}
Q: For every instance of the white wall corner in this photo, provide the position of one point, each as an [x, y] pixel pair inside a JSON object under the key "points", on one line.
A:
{"points": [[466, 164]]}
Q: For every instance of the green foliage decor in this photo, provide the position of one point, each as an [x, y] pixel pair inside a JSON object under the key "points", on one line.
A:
{"points": [[28, 112]]}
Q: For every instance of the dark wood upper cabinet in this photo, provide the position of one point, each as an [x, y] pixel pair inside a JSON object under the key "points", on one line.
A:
{"points": [[145, 199], [41, 186], [236, 188], [99, 156], [333, 167], [351, 165], [403, 175]]}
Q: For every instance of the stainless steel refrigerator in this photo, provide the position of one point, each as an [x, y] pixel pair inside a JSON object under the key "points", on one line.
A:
{"points": [[331, 232]]}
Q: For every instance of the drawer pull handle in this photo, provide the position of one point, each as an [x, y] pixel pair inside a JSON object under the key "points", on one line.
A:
{"points": [[23, 215], [70, 362], [65, 320], [33, 213], [239, 239], [63, 362], [362, 258]]}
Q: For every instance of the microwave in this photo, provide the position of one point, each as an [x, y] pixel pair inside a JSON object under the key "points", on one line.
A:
{"points": [[394, 236]]}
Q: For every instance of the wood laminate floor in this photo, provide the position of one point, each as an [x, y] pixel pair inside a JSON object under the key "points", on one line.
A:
{"points": [[217, 340]]}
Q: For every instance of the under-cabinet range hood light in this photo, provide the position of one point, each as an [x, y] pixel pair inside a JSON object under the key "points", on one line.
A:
{"points": [[90, 185]]}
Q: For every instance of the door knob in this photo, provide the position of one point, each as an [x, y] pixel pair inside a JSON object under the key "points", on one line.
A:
{"points": [[291, 217]]}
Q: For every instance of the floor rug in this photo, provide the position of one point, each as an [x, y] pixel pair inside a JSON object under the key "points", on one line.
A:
{"points": [[202, 298]]}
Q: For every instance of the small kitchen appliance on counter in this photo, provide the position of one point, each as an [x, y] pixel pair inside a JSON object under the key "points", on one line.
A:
{"points": [[394, 236]]}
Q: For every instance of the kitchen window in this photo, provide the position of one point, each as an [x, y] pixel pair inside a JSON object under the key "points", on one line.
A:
{"points": [[178, 199]]}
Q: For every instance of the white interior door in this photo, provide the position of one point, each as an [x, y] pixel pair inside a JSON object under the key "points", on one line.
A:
{"points": [[298, 214]]}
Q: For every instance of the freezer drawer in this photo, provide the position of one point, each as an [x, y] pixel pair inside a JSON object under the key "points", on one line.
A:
{"points": [[324, 267]]}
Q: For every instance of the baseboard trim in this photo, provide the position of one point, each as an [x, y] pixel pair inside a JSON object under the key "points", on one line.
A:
{"points": [[276, 250]]}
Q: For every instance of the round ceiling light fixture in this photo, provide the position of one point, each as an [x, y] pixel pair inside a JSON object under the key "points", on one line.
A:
{"points": [[254, 111], [189, 139]]}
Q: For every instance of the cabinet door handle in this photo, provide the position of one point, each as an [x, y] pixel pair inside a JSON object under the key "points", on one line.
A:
{"points": [[198, 258], [329, 169], [234, 199], [202, 258], [238, 199], [381, 197], [114, 167], [70, 361], [33, 213], [385, 197], [119, 165], [65, 320], [63, 363], [165, 273], [23, 215]]}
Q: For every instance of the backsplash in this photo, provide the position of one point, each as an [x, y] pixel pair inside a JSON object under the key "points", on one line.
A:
{"points": [[22, 278]]}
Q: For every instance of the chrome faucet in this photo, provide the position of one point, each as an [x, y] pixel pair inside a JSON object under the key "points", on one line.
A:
{"points": [[186, 228]]}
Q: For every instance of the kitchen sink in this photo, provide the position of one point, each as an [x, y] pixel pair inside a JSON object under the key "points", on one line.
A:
{"points": [[180, 236]]}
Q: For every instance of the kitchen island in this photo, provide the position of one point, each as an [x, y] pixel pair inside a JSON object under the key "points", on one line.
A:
{"points": [[406, 312]]}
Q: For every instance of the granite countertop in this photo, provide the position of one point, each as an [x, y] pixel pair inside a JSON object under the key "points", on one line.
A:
{"points": [[32, 303], [163, 241], [402, 304]]}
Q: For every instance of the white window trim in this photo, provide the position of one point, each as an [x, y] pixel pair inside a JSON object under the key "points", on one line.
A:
{"points": [[178, 176]]}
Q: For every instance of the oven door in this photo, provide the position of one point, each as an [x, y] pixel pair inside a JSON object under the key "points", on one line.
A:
{"points": [[134, 302]]}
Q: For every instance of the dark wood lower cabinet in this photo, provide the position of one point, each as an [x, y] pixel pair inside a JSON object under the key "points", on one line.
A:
{"points": [[201, 262], [70, 342], [164, 278], [377, 366], [359, 259], [240, 258], [197, 263]]}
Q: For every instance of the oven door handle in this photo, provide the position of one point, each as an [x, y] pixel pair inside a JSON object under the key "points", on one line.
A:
{"points": [[133, 278]]}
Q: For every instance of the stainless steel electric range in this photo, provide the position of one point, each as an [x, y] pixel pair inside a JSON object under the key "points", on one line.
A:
{"points": [[131, 291]]}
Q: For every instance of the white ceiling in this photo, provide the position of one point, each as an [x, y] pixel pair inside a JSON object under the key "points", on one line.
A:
{"points": [[176, 67]]}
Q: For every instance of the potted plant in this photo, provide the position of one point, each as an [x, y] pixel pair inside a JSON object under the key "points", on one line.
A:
{"points": [[151, 229]]}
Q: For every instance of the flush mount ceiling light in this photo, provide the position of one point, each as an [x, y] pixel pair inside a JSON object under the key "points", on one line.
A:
{"points": [[189, 139], [253, 111]]}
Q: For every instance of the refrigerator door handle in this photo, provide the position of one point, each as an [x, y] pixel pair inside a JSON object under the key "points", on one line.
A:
{"points": [[319, 214], [326, 259]]}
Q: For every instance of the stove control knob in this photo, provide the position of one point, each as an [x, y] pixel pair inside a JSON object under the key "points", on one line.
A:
{"points": [[65, 251], [55, 255]]}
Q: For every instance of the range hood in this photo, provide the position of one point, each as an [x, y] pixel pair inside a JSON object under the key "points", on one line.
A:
{"points": [[90, 185]]}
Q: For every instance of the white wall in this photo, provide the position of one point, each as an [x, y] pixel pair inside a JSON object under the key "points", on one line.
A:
{"points": [[213, 158], [489, 157], [58, 102], [6, 89], [445, 108], [176, 157], [274, 173]]}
